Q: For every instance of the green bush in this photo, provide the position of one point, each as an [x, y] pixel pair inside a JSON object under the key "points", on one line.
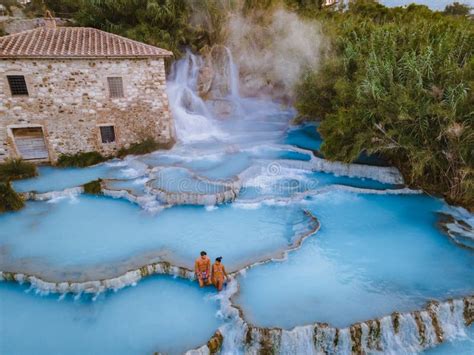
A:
{"points": [[15, 169], [80, 160], [457, 9], [399, 83], [144, 147], [93, 187], [9, 199]]}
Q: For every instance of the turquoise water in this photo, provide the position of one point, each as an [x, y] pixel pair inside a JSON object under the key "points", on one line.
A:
{"points": [[135, 186], [161, 314], [373, 255], [461, 346], [181, 180], [62, 240], [378, 249], [56, 179], [289, 182], [306, 137]]}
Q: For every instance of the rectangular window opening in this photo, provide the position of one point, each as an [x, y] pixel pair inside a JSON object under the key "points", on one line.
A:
{"points": [[107, 133], [115, 86], [17, 85]]}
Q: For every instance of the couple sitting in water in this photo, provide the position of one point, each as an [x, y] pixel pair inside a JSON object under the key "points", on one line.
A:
{"points": [[207, 274]]}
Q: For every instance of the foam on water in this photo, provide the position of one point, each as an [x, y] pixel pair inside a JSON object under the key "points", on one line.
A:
{"points": [[378, 249], [463, 345], [55, 179], [383, 251], [192, 118]]}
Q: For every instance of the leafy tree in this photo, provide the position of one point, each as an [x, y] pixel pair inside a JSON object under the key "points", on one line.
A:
{"points": [[170, 24], [457, 9]]}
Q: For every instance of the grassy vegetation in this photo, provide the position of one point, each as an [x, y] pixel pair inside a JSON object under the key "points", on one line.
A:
{"points": [[146, 146], [170, 24], [80, 160], [93, 187], [9, 199], [399, 83], [15, 169]]}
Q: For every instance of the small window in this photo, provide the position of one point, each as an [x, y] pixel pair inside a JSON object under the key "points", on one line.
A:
{"points": [[17, 85], [107, 134], [115, 86]]}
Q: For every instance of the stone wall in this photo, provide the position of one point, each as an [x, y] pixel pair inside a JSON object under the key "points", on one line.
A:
{"points": [[69, 99]]}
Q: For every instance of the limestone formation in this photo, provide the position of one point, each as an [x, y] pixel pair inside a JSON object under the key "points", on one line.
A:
{"points": [[215, 75]]}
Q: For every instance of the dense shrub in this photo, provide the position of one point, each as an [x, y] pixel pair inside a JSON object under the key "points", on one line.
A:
{"points": [[9, 199], [399, 83], [146, 146], [457, 9], [80, 160], [170, 24], [93, 187], [15, 169]]}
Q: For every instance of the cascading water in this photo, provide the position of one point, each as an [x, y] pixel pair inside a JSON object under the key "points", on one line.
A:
{"points": [[233, 75], [326, 257], [193, 120]]}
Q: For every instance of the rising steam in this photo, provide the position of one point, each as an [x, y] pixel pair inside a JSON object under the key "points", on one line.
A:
{"points": [[273, 51]]}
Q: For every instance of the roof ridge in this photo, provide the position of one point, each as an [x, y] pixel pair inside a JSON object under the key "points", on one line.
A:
{"points": [[19, 33], [75, 42]]}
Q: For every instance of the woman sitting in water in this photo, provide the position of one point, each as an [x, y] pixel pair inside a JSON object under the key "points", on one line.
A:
{"points": [[219, 275]]}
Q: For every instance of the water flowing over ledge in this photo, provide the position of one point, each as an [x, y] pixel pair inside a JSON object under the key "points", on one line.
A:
{"points": [[458, 225], [388, 175], [52, 195], [192, 189], [398, 333], [298, 197], [150, 203], [197, 121], [131, 278]]}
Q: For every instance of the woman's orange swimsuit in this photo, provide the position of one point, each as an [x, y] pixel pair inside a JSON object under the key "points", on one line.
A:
{"points": [[218, 272]]}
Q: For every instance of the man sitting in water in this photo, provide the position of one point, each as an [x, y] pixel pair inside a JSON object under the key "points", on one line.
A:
{"points": [[219, 275], [202, 268]]}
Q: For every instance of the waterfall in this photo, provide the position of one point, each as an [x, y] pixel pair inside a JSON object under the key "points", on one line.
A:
{"points": [[233, 75], [450, 317], [298, 341], [399, 333], [192, 118], [195, 119]]}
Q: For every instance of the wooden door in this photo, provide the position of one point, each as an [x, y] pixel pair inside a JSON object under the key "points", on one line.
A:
{"points": [[30, 143]]}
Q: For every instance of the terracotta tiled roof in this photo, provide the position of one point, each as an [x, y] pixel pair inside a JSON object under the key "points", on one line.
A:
{"points": [[74, 42]]}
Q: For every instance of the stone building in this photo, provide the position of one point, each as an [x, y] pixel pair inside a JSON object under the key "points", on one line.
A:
{"points": [[65, 90]]}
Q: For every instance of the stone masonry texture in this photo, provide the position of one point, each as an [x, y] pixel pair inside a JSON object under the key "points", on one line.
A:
{"points": [[69, 99]]}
